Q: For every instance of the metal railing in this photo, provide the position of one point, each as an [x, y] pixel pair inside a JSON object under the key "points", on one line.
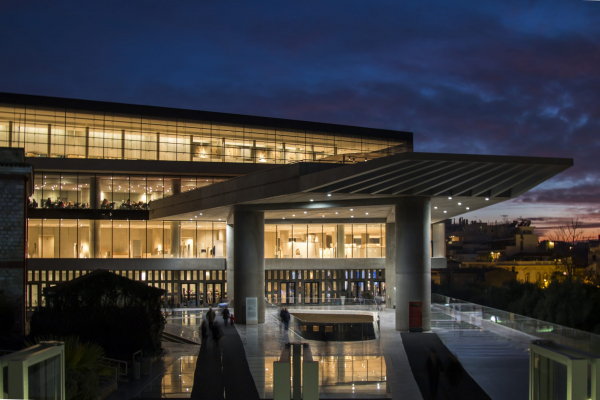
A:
{"points": [[346, 303], [478, 314], [119, 366]]}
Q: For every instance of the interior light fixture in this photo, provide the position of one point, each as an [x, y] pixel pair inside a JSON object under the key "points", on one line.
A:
{"points": [[487, 199], [311, 200], [293, 215], [366, 213], [435, 208], [445, 211], [352, 216], [352, 209], [460, 204], [336, 213], [450, 198], [467, 208], [328, 194], [304, 212]]}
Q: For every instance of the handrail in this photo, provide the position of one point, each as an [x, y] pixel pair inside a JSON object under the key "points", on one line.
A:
{"points": [[579, 339], [111, 363]]}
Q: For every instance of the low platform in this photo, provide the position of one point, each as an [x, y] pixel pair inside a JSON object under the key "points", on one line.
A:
{"points": [[334, 327]]}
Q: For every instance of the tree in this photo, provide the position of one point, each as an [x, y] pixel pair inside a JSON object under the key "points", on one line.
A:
{"points": [[565, 238]]}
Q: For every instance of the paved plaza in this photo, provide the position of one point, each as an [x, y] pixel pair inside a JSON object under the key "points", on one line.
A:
{"points": [[497, 360]]}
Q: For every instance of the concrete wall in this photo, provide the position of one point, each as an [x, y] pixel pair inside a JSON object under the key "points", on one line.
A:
{"points": [[12, 246]]}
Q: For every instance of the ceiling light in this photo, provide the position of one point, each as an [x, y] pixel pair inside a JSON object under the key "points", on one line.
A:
{"points": [[311, 200], [450, 198], [467, 208], [352, 209], [283, 218], [328, 194], [487, 198], [445, 211], [323, 216], [460, 204], [367, 213], [336, 213], [293, 215], [435, 208], [304, 212], [352, 216]]}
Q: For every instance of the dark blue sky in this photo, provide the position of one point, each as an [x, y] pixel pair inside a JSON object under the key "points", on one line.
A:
{"points": [[466, 77]]}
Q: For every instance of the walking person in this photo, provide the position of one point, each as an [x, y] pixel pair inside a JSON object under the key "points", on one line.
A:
{"points": [[217, 333], [434, 367], [225, 313], [203, 333], [454, 373], [285, 318], [210, 316]]}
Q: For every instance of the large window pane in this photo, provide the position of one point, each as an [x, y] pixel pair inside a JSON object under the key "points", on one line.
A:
{"points": [[121, 243], [219, 241], [105, 239], [315, 241], [34, 238], [68, 238], [299, 241], [330, 241], [284, 240], [106, 192], [84, 189], [86, 247], [374, 241], [51, 190], [188, 239], [270, 241], [50, 238], [137, 233], [155, 188], [204, 239], [154, 238], [121, 192], [68, 190], [137, 193]]}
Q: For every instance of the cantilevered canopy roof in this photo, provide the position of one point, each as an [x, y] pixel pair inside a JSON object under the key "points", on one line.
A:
{"points": [[456, 184]]}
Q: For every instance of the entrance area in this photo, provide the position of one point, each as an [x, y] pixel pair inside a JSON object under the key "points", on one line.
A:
{"points": [[214, 293], [311, 293], [288, 292]]}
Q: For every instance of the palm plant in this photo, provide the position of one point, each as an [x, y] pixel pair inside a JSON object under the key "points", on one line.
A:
{"points": [[83, 366]]}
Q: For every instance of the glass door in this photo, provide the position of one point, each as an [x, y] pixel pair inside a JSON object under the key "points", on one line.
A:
{"points": [[188, 295], [311, 293], [283, 292], [218, 293], [210, 287]]}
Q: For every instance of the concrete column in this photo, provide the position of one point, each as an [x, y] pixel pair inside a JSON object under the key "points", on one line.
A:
{"points": [[176, 185], [175, 239], [95, 194], [439, 239], [248, 262], [390, 264], [341, 240], [413, 259], [229, 262]]}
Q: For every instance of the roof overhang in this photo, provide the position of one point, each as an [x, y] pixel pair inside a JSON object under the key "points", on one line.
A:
{"points": [[308, 191]]}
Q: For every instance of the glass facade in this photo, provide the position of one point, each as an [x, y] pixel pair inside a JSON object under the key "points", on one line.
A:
{"points": [[77, 238], [328, 286], [184, 288], [111, 238], [45, 132], [325, 241], [58, 190]]}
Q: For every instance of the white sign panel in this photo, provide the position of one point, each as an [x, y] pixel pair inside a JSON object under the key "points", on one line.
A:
{"points": [[251, 310]]}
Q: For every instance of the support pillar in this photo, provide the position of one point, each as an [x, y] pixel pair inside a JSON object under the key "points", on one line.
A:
{"points": [[390, 264], [341, 241], [248, 262], [229, 262], [175, 239], [413, 259]]}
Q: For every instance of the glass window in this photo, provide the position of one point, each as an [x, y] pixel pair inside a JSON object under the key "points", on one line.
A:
{"points": [[121, 243], [105, 239], [69, 191], [284, 241], [138, 240], [154, 239], [271, 241], [34, 238], [68, 238], [219, 241], [188, 239], [155, 188]]}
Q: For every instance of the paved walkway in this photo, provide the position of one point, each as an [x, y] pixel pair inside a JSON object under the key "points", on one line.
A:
{"points": [[223, 371]]}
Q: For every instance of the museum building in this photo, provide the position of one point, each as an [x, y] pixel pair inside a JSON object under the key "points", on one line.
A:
{"points": [[215, 207]]}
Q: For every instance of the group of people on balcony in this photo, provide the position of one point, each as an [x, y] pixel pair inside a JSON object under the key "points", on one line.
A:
{"points": [[126, 205], [68, 205]]}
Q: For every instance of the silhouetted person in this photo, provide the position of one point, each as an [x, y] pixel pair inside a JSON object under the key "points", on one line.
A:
{"points": [[210, 316], [434, 367], [217, 333], [225, 313], [285, 318], [203, 332], [48, 203], [454, 374]]}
